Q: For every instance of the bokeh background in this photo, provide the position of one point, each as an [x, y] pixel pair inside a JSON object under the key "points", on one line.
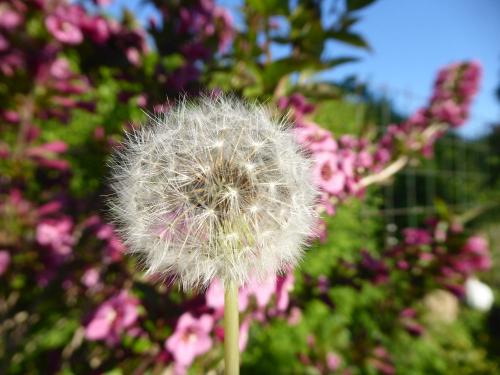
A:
{"points": [[396, 102]]}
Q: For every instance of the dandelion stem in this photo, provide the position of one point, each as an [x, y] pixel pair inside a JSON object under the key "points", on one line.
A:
{"points": [[231, 330]]}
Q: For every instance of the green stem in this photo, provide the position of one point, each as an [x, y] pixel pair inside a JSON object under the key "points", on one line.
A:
{"points": [[231, 330]]}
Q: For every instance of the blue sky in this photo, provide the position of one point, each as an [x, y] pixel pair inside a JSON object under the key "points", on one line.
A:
{"points": [[411, 39]]}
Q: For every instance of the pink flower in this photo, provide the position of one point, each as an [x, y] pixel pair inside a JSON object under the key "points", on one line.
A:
{"points": [[63, 24], [112, 318], [244, 330], [333, 361], [261, 290], [11, 117], [326, 173], [295, 316], [475, 256], [56, 234], [9, 19], [298, 103], [4, 44], [449, 111], [90, 277], [326, 204], [133, 56], [114, 246], [284, 285], [364, 159], [415, 236], [55, 147], [314, 137], [214, 296], [12, 62], [321, 231], [477, 245], [60, 69], [4, 261], [190, 339]]}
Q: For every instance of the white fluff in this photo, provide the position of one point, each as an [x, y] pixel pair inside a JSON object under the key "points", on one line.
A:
{"points": [[478, 295], [214, 188]]}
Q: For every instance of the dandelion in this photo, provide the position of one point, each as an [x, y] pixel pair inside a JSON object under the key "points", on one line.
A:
{"points": [[214, 189]]}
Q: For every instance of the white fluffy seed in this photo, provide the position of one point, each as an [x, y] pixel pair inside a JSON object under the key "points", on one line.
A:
{"points": [[213, 188]]}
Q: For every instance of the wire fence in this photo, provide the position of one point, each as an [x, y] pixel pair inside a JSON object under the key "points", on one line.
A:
{"points": [[452, 177]]}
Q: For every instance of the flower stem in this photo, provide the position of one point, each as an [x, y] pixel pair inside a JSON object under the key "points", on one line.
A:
{"points": [[231, 330]]}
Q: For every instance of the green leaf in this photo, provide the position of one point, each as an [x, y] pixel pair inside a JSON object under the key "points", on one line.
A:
{"points": [[354, 39], [357, 4], [269, 7], [330, 63], [348, 21], [273, 72]]}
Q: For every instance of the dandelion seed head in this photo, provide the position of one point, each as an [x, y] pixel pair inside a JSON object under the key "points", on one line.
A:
{"points": [[213, 188]]}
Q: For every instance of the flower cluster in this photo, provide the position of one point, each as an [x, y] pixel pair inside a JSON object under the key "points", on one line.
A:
{"points": [[449, 106], [345, 166], [113, 317], [443, 249], [200, 29], [258, 301]]}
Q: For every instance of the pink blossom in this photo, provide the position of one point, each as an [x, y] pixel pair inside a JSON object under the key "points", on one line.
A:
{"points": [[415, 236], [450, 112], [191, 338], [326, 173], [9, 19], [4, 43], [333, 361], [12, 62], [364, 159], [284, 285], [60, 69], [11, 117], [113, 317], [321, 231], [347, 162], [63, 24], [348, 141], [295, 316], [315, 138], [325, 203], [58, 164], [214, 296], [133, 56], [244, 330], [475, 256], [477, 245], [4, 261], [261, 290], [96, 28], [298, 104], [90, 277], [114, 246], [56, 233], [56, 147]]}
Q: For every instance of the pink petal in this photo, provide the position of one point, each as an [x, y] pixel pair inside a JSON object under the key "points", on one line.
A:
{"points": [[98, 328]]}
